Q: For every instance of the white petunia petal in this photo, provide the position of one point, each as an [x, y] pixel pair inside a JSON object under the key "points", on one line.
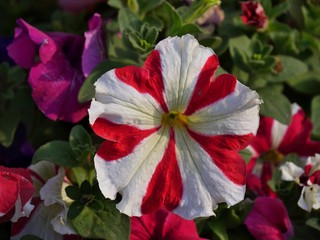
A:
{"points": [[236, 114], [131, 174], [290, 172], [310, 198], [122, 104], [201, 176], [182, 60]]}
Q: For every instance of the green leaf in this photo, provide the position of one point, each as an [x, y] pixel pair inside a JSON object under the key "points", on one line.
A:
{"points": [[315, 115], [128, 20], [308, 83], [240, 52], [80, 174], [79, 139], [275, 105], [287, 67], [147, 5], [188, 28], [57, 152], [73, 192], [212, 42], [75, 209], [171, 17], [8, 125], [111, 225], [218, 229], [279, 9], [87, 90], [314, 223], [246, 155]]}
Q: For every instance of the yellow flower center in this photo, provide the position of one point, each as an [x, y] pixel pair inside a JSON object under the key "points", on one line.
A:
{"points": [[174, 118], [273, 156]]}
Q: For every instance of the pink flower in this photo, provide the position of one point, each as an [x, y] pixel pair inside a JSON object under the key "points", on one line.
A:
{"points": [[56, 79], [16, 190], [163, 225], [269, 220], [172, 132], [78, 5], [273, 141], [94, 51], [253, 14]]}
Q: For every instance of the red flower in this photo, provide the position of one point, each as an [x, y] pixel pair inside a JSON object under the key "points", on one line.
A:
{"points": [[162, 225], [269, 220], [16, 191], [274, 141], [253, 14]]}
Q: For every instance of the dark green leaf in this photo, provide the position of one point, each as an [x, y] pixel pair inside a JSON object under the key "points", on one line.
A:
{"points": [[287, 67], [212, 42], [218, 229], [279, 9], [315, 115], [79, 139], [128, 20], [8, 124], [308, 83], [314, 223], [111, 225], [57, 152], [75, 209], [73, 192], [246, 155], [147, 5], [275, 105]]}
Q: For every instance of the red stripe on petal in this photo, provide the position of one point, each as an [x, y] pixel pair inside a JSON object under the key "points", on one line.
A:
{"points": [[223, 152], [208, 89], [263, 140], [120, 139], [165, 188], [147, 79], [297, 133]]}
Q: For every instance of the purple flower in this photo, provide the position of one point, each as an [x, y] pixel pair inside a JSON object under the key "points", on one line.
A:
{"points": [[269, 220], [94, 49], [55, 79]]}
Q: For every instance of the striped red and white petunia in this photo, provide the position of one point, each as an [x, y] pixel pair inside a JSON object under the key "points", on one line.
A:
{"points": [[172, 132]]}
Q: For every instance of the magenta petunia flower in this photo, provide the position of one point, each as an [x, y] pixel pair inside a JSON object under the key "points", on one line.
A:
{"points": [[308, 178], [269, 220], [253, 14], [274, 141], [16, 190], [94, 51], [56, 79], [162, 224], [172, 132]]}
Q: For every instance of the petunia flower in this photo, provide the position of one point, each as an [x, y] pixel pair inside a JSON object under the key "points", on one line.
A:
{"points": [[56, 79], [269, 220], [172, 132], [94, 51], [162, 224], [253, 14], [273, 142], [308, 178], [16, 191], [52, 204]]}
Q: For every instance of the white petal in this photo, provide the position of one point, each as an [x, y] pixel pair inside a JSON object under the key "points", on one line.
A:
{"points": [[182, 60], [51, 191], [310, 198], [236, 114], [314, 162], [120, 103], [61, 224], [290, 171], [40, 173], [278, 131], [39, 225], [204, 184], [131, 174]]}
